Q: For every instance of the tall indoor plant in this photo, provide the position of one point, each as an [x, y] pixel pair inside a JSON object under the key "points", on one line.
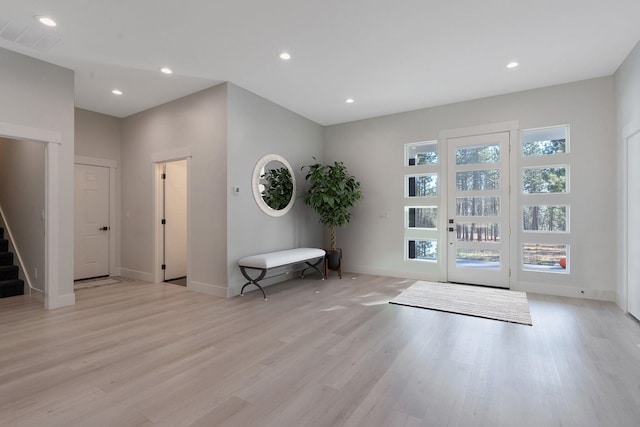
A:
{"points": [[331, 192]]}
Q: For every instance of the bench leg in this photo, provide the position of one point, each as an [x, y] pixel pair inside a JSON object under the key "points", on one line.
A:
{"points": [[314, 266], [253, 281]]}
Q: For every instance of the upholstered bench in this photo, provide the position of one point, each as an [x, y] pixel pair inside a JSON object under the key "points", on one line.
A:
{"points": [[263, 262]]}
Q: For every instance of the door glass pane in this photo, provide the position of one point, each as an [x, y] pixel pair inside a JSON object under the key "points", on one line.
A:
{"points": [[477, 232], [544, 218], [422, 185], [422, 153], [545, 257], [478, 258], [478, 154], [425, 250], [478, 206], [422, 217], [551, 179], [478, 180]]}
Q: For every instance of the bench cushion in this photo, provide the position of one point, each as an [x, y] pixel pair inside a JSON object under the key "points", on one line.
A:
{"points": [[277, 259]]}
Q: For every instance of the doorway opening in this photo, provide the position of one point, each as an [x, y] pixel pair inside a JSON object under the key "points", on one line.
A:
{"points": [[633, 228], [53, 298], [172, 177]]}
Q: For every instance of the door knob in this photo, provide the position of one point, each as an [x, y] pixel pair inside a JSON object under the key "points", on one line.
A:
{"points": [[105, 228]]}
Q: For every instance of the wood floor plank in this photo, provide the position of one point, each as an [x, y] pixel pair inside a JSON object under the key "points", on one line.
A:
{"points": [[317, 353]]}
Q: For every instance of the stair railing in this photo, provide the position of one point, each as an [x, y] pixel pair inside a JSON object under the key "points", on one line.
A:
{"points": [[15, 250]]}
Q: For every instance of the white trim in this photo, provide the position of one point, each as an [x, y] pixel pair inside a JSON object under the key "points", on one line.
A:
{"points": [[95, 161], [158, 275], [169, 155], [531, 287], [20, 132], [183, 153], [113, 196], [206, 288], [38, 297], [512, 125], [137, 275], [565, 291], [631, 129], [61, 301], [52, 141], [624, 305], [52, 298]]}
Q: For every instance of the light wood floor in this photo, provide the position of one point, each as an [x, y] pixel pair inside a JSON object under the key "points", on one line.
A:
{"points": [[317, 353]]}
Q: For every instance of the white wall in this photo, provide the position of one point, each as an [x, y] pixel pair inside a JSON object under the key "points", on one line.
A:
{"points": [[40, 96], [22, 198], [98, 136], [373, 151], [627, 95], [197, 122], [258, 127]]}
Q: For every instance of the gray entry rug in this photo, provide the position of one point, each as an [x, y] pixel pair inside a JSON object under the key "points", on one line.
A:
{"points": [[490, 303], [101, 281]]}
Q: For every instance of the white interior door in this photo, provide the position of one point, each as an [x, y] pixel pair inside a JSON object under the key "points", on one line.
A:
{"points": [[478, 206], [175, 214], [91, 222], [633, 225]]}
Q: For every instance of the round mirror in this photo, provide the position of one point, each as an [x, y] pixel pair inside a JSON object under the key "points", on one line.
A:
{"points": [[274, 185]]}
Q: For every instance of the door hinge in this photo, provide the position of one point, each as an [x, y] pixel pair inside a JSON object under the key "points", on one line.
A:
{"points": [[164, 176], [509, 272], [164, 266], [164, 221]]}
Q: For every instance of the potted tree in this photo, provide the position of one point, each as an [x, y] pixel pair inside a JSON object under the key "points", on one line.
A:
{"points": [[331, 192]]}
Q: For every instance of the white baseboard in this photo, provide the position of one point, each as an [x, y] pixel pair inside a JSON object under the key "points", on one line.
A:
{"points": [[35, 295], [392, 273], [621, 301], [60, 301], [536, 288], [137, 275], [565, 291], [206, 288]]}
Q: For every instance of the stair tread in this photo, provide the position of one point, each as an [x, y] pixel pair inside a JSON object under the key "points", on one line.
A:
{"points": [[11, 288], [5, 281]]}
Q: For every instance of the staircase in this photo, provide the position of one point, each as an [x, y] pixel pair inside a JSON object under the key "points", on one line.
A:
{"points": [[10, 285]]}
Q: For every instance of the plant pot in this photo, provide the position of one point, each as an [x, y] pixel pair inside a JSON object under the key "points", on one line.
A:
{"points": [[333, 258], [333, 261]]}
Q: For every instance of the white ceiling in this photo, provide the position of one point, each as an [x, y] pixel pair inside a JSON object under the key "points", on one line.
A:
{"points": [[389, 55]]}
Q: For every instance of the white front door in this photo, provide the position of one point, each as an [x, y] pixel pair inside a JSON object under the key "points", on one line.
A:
{"points": [[633, 224], [175, 214], [91, 221], [478, 206]]}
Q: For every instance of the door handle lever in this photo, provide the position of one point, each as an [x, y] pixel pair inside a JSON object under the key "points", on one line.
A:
{"points": [[105, 228]]}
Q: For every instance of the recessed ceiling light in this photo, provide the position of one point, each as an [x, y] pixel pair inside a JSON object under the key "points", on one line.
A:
{"points": [[45, 20], [116, 92], [285, 55], [512, 64], [166, 70], [349, 100]]}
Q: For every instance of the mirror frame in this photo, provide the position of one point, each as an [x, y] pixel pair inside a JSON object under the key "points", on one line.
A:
{"points": [[255, 185]]}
